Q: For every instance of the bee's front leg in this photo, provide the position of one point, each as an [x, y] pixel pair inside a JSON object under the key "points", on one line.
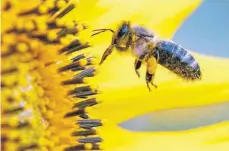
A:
{"points": [[151, 69], [137, 65], [106, 53]]}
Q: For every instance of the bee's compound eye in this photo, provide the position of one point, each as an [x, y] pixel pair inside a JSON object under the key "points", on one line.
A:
{"points": [[123, 31]]}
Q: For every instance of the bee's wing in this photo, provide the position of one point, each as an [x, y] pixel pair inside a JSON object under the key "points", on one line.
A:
{"points": [[178, 60], [141, 31]]}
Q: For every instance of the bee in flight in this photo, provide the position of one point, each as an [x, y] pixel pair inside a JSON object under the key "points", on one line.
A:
{"points": [[146, 48]]}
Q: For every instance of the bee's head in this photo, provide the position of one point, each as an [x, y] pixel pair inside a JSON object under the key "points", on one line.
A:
{"points": [[122, 38]]}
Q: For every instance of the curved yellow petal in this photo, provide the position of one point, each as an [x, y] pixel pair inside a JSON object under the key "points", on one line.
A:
{"points": [[209, 138], [172, 92]]}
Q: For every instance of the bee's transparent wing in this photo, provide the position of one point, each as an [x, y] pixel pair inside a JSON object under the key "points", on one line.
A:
{"points": [[141, 31]]}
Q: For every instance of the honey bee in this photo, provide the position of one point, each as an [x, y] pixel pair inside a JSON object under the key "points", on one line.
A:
{"points": [[146, 48]]}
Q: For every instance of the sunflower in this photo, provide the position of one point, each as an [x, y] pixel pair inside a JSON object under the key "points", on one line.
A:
{"points": [[56, 97]]}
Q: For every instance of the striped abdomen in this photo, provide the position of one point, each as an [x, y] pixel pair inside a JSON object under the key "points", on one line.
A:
{"points": [[178, 60]]}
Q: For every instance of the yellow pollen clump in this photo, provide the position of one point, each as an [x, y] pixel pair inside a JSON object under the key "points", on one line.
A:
{"points": [[43, 9], [22, 47], [52, 35], [29, 25], [61, 3]]}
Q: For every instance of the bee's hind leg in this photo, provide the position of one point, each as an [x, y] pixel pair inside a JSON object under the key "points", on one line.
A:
{"points": [[137, 65], [149, 79], [150, 72]]}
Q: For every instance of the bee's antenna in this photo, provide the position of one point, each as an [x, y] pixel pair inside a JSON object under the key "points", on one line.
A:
{"points": [[98, 32], [101, 30], [104, 29]]}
